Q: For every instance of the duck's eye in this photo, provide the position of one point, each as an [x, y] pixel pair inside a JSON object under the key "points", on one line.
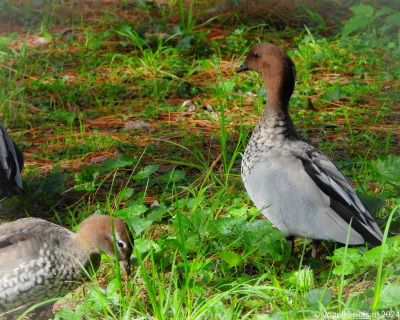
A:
{"points": [[255, 55]]}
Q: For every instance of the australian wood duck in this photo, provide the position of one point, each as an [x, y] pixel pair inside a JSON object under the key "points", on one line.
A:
{"points": [[297, 187], [11, 164], [40, 260]]}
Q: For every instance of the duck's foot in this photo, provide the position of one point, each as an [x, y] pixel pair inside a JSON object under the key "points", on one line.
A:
{"points": [[290, 241], [315, 245]]}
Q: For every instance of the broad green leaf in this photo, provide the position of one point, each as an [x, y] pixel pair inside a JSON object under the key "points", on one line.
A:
{"points": [[144, 245], [112, 287], [198, 219], [96, 297], [230, 257], [126, 193], [185, 42], [238, 212], [386, 170], [363, 10], [3, 45], [372, 256], [191, 243], [384, 10], [316, 297], [131, 211], [223, 226], [371, 202], [347, 259], [195, 202], [138, 224], [355, 23], [207, 277], [257, 234], [146, 172], [118, 162], [345, 269], [290, 277], [91, 169], [393, 19], [174, 176], [157, 213], [341, 254], [67, 313], [85, 181], [389, 297]]}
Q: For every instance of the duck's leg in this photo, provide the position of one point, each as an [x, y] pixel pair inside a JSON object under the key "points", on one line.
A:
{"points": [[290, 241], [315, 244]]}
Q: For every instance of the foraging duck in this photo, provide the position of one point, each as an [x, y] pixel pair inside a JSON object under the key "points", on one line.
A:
{"points": [[40, 260], [296, 186], [11, 165]]}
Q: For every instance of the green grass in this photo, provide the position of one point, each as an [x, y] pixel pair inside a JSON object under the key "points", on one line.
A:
{"points": [[202, 250]]}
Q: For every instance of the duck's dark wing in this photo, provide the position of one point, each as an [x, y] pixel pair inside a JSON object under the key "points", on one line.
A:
{"points": [[11, 164], [344, 202]]}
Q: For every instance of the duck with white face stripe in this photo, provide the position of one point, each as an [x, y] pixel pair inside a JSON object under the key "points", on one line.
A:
{"points": [[40, 260]]}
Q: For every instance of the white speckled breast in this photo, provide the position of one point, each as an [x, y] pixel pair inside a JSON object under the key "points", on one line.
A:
{"points": [[269, 133]]}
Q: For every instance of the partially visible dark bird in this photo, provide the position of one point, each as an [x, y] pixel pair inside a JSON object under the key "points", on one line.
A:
{"points": [[296, 186], [40, 260], [11, 165]]}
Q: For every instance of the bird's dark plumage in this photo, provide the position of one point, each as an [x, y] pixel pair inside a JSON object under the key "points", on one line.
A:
{"points": [[11, 165]]}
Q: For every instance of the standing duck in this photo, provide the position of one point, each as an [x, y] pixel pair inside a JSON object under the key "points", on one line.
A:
{"points": [[11, 164], [40, 260], [296, 186]]}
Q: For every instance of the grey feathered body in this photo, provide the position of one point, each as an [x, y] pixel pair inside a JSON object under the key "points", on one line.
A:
{"points": [[299, 189], [38, 261]]}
